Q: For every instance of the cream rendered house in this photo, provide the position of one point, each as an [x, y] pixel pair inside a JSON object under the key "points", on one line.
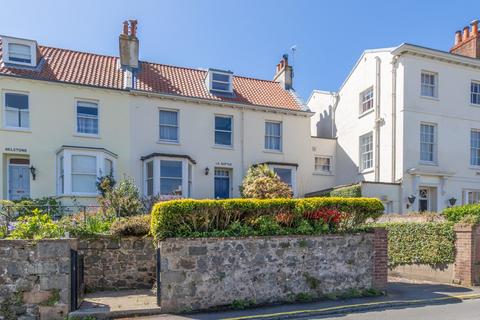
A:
{"points": [[407, 119], [69, 117]]}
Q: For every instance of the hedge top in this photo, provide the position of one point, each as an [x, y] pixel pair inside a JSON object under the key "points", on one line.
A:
{"points": [[177, 217]]}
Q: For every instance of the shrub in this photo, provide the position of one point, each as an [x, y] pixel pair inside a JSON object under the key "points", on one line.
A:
{"points": [[455, 214], [427, 243], [123, 199], [131, 226], [347, 192], [262, 183], [48, 205], [89, 224], [186, 217], [105, 184], [38, 225]]}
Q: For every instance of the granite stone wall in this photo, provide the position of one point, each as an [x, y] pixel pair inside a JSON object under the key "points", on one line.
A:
{"points": [[35, 279], [203, 273], [118, 263]]}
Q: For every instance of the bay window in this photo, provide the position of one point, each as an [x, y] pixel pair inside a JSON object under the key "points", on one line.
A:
{"points": [[168, 176], [79, 169]]}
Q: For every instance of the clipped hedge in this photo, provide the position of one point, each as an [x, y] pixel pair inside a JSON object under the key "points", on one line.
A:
{"points": [[456, 214], [429, 243], [347, 192], [186, 217]]}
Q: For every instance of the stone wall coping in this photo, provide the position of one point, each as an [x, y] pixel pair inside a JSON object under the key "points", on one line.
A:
{"points": [[464, 227], [294, 236], [10, 242]]}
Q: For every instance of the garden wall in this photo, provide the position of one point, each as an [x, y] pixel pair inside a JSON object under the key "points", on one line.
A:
{"points": [[35, 278], [118, 263], [203, 273]]}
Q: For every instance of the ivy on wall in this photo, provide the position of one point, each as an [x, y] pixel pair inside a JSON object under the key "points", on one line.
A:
{"points": [[429, 243]]}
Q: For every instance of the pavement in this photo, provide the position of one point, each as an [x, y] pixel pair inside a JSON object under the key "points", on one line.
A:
{"points": [[403, 301]]}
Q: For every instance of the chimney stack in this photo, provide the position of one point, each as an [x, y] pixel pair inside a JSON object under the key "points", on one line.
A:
{"points": [[467, 43], [284, 73], [129, 45]]}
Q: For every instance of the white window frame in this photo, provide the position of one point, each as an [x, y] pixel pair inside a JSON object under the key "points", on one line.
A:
{"points": [[77, 132], [210, 80], [187, 176], [66, 154], [294, 175], [4, 100], [472, 164], [6, 41], [475, 93], [280, 123], [177, 141], [369, 102], [363, 167], [227, 131], [319, 171], [434, 144], [466, 193], [434, 86]]}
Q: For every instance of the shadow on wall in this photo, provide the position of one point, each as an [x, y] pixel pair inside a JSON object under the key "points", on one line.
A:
{"points": [[325, 124], [349, 172]]}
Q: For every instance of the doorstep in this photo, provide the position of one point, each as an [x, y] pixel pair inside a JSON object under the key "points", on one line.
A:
{"points": [[118, 304]]}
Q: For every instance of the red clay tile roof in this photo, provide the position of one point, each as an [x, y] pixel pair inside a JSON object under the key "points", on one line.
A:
{"points": [[102, 71]]}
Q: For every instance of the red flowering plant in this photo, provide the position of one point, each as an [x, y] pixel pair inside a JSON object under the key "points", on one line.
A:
{"points": [[285, 218], [330, 216]]}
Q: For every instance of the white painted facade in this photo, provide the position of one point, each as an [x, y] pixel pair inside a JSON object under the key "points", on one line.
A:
{"points": [[128, 130], [394, 121]]}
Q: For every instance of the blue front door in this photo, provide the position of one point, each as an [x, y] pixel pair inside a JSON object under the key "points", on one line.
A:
{"points": [[222, 183], [18, 182]]}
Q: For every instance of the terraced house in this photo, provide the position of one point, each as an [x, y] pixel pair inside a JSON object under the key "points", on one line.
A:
{"points": [[69, 117], [407, 119]]}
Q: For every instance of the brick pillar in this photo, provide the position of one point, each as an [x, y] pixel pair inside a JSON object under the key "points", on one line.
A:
{"points": [[467, 246], [380, 260]]}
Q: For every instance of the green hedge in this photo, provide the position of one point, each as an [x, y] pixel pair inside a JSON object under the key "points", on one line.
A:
{"points": [[186, 217], [429, 243], [456, 214], [347, 192]]}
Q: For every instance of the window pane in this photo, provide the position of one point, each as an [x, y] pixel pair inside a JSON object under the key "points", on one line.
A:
{"points": [[84, 164], [427, 142], [220, 77], [220, 86], [223, 123], [87, 125], [16, 101], [273, 135], [19, 52], [284, 174], [475, 148], [170, 186], [223, 138], [150, 170], [108, 167], [168, 125], [84, 183], [170, 168]]}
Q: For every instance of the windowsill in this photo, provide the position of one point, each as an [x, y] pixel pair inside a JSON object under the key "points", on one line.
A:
{"points": [[366, 113], [78, 195], [219, 146], [320, 173], [23, 64], [86, 135], [474, 167], [430, 98], [174, 143], [17, 129], [428, 163], [273, 151], [474, 105], [369, 170]]}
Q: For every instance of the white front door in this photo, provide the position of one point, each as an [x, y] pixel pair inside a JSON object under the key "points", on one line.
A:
{"points": [[18, 181]]}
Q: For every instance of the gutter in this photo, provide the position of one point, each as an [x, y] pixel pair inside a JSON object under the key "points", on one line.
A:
{"points": [[302, 113], [394, 117], [378, 121]]}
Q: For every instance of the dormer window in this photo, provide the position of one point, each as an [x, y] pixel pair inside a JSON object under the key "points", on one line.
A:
{"points": [[19, 51], [219, 81]]}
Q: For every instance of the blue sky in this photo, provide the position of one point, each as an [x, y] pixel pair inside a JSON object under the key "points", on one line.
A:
{"points": [[245, 36]]}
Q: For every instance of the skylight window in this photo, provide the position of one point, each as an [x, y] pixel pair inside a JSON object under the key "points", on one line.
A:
{"points": [[219, 81], [19, 51]]}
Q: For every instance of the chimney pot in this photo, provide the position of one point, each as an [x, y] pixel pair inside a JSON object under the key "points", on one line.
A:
{"points": [[474, 25], [125, 28], [458, 37], [466, 33], [133, 28]]}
